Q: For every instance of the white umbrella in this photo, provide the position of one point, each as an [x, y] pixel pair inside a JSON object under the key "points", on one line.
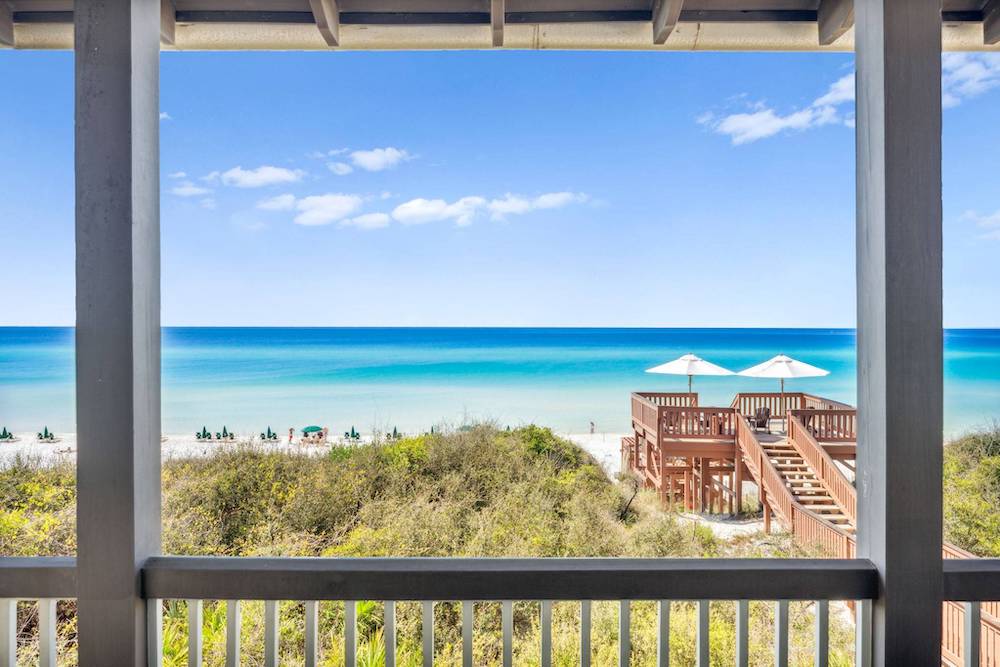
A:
{"points": [[783, 367], [689, 365]]}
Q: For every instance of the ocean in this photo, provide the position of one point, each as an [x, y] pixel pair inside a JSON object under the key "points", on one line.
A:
{"points": [[413, 378]]}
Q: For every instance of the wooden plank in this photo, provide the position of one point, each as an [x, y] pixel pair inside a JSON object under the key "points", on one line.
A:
{"points": [[545, 623], [350, 633], [6, 24], [38, 577], [971, 579], [427, 633], [327, 17], [666, 13], [863, 634], [168, 22], [468, 618], [835, 17], [498, 14], [821, 649], [781, 633], [899, 340], [702, 644], [225, 578], [47, 632], [507, 623], [624, 633], [194, 618], [742, 633], [117, 125], [234, 625], [991, 22]]}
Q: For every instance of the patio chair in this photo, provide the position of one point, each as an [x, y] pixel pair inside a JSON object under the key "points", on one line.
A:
{"points": [[761, 418]]}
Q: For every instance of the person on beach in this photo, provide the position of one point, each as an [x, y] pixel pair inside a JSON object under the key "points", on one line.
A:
{"points": [[591, 428], [291, 432]]}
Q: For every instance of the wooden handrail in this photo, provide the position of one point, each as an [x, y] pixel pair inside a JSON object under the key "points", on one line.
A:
{"points": [[836, 483], [697, 422], [829, 425]]}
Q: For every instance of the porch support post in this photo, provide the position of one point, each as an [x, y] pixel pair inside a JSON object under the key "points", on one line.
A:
{"points": [[898, 45], [117, 45]]}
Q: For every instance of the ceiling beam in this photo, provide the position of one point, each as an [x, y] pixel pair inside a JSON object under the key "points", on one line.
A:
{"points": [[168, 22], [991, 22], [327, 18], [665, 16], [835, 17], [6, 25], [498, 15]]}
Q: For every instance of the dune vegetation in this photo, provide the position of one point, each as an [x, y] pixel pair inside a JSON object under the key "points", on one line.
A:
{"points": [[972, 492], [474, 492]]}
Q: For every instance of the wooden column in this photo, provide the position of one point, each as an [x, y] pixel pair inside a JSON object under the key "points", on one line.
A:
{"points": [[738, 484], [898, 44], [117, 46]]}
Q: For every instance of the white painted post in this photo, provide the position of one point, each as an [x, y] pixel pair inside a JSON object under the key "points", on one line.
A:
{"points": [[663, 633], [271, 635], [742, 633], [585, 648], [863, 633], [624, 633], [781, 633], [154, 633], [390, 633], [702, 638], [47, 650], [312, 633], [234, 626], [822, 649], [546, 623], [351, 633], [900, 336], [8, 632], [507, 630], [194, 614], [117, 124], [468, 611], [427, 632], [971, 630]]}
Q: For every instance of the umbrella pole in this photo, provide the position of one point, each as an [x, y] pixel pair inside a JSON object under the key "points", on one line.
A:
{"points": [[783, 415], [689, 383]]}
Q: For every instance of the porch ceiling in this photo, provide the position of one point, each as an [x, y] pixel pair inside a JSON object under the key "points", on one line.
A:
{"points": [[737, 25]]}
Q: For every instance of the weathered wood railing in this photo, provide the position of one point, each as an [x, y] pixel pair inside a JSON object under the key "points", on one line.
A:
{"points": [[469, 581], [836, 483], [648, 407], [829, 425], [747, 403], [697, 423]]}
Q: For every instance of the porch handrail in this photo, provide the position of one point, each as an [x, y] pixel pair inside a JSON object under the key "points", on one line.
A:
{"points": [[696, 422], [829, 424], [836, 483]]}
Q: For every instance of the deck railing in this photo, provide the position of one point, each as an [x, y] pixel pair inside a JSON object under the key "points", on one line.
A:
{"points": [[836, 483], [747, 403], [647, 406], [827, 425], [470, 582], [697, 423]]}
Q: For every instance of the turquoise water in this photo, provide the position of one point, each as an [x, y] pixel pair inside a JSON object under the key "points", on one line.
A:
{"points": [[251, 378]]}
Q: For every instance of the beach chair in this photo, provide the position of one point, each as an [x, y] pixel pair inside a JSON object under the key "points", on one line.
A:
{"points": [[761, 418]]}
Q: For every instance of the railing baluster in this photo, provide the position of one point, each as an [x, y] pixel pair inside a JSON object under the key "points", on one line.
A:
{"points": [[350, 633], [546, 622], [507, 631], [822, 658], [428, 633], [312, 633], [702, 639], [863, 634], [8, 631], [624, 633], [389, 633], [234, 625], [742, 633], [971, 634], [154, 633], [781, 633], [194, 609], [468, 612], [47, 633], [663, 633], [270, 633], [584, 633]]}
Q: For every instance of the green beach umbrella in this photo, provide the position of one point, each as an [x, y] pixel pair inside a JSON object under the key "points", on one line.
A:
{"points": [[311, 429]]}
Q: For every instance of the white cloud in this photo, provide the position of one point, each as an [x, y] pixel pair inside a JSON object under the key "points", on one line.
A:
{"points": [[189, 189], [208, 203], [379, 159], [339, 168], [211, 177], [841, 91], [324, 209], [279, 203], [368, 221], [259, 177], [990, 224], [178, 174], [165, 116], [967, 75], [419, 211], [319, 155], [512, 204]]}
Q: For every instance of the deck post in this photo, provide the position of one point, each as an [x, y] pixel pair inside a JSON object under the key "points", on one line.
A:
{"points": [[898, 50], [117, 48]]}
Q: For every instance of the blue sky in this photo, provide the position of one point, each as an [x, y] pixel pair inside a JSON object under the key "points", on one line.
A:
{"points": [[497, 188]]}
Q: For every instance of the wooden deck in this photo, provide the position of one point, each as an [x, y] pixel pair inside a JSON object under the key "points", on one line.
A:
{"points": [[698, 458]]}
